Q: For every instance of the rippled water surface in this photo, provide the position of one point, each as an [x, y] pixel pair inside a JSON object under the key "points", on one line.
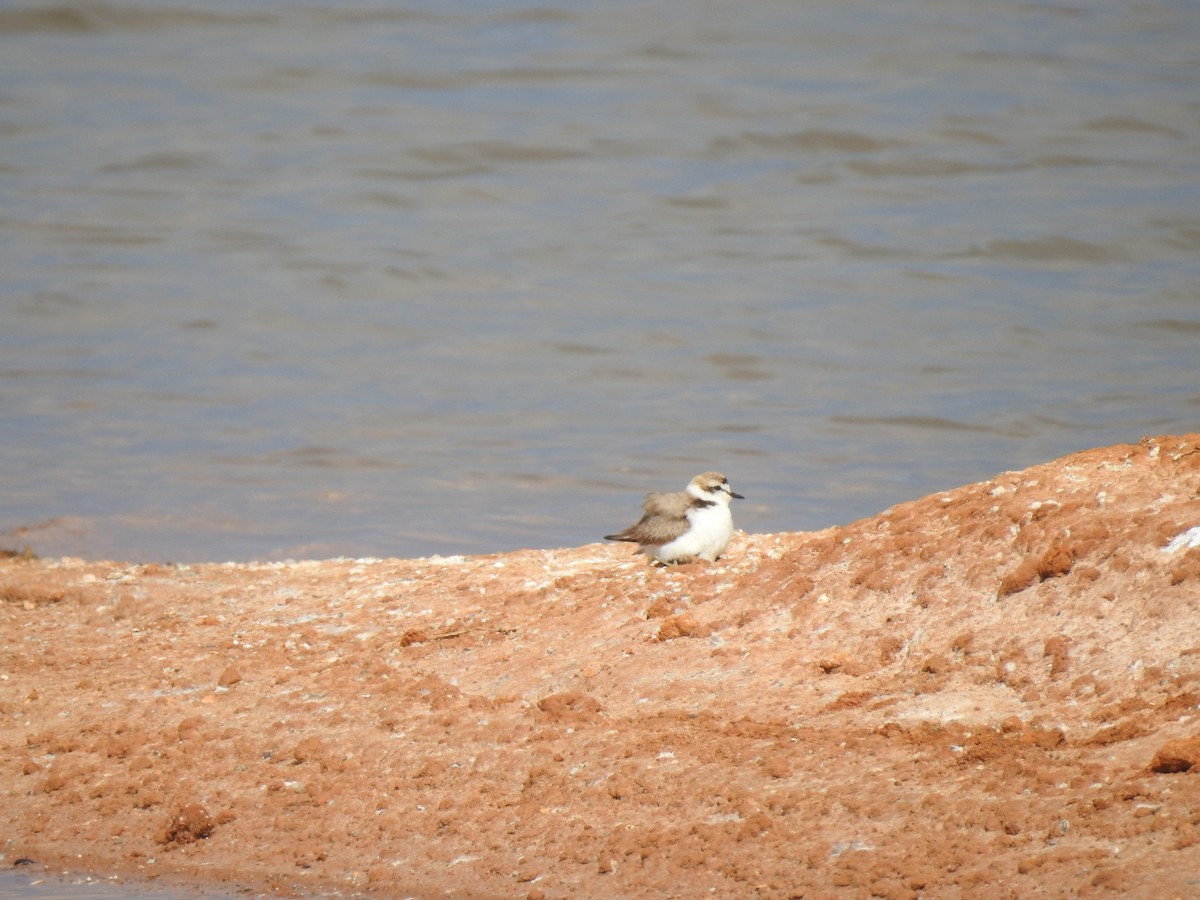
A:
{"points": [[296, 279]]}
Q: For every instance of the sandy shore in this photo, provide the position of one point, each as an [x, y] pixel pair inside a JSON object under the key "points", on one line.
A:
{"points": [[995, 689]]}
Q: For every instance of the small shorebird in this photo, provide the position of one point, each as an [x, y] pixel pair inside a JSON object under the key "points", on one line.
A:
{"points": [[681, 527]]}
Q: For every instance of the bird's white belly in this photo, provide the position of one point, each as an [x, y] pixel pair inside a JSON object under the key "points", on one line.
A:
{"points": [[712, 527]]}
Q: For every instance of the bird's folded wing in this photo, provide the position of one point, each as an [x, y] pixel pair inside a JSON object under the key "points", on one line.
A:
{"points": [[664, 519], [656, 530]]}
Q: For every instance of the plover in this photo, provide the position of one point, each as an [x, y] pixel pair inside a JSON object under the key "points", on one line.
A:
{"points": [[681, 527]]}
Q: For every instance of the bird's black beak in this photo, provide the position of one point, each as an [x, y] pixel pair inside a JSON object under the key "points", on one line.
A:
{"points": [[736, 496]]}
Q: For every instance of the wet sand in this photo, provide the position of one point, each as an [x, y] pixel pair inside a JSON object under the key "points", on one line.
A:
{"points": [[991, 688]]}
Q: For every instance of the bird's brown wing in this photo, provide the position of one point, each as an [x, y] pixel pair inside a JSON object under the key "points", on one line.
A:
{"points": [[652, 530], [664, 519]]}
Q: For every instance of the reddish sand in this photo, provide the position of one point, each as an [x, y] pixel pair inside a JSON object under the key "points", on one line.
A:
{"points": [[992, 691]]}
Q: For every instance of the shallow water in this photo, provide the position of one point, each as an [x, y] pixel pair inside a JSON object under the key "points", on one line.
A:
{"points": [[15, 884], [313, 279]]}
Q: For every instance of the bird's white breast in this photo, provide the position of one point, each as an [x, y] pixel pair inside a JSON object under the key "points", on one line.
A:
{"points": [[712, 527]]}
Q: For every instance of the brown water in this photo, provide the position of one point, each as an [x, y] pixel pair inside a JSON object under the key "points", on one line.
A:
{"points": [[315, 279]]}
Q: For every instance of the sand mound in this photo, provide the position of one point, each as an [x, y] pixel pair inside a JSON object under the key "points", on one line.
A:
{"points": [[994, 687]]}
